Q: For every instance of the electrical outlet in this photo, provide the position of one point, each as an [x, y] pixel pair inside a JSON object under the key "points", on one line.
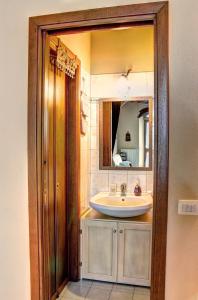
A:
{"points": [[188, 207]]}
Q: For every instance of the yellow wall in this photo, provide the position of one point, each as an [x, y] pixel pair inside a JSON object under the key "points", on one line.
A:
{"points": [[115, 51], [79, 44], [182, 253]]}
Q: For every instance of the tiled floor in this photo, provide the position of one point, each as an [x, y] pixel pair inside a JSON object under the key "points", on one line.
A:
{"points": [[97, 290]]}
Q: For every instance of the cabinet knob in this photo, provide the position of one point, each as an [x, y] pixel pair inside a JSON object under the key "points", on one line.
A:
{"points": [[121, 231], [114, 231]]}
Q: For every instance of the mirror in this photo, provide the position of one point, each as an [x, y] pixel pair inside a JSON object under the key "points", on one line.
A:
{"points": [[126, 133]]}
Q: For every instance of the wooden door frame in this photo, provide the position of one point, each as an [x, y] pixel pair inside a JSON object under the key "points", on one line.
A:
{"points": [[156, 12]]}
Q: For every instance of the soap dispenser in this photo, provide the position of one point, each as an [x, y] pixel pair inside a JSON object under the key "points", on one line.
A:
{"points": [[137, 190]]}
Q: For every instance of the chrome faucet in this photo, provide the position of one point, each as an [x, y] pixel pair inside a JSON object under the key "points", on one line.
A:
{"points": [[123, 189]]}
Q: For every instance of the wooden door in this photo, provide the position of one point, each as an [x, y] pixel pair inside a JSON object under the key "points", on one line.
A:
{"points": [[61, 169], [134, 253], [99, 250], [60, 178], [57, 203], [51, 181]]}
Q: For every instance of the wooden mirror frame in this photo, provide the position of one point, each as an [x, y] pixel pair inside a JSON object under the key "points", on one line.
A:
{"points": [[101, 135], [77, 21]]}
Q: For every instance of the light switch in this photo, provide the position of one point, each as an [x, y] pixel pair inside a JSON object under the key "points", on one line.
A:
{"points": [[188, 207]]}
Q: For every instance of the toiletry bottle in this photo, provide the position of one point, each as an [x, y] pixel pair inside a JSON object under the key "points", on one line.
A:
{"points": [[113, 189], [137, 190]]}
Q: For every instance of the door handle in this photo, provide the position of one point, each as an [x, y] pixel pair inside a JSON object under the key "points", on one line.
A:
{"points": [[121, 231], [114, 231]]}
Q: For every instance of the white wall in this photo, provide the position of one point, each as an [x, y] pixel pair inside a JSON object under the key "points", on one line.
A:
{"points": [[182, 255], [139, 84], [129, 121]]}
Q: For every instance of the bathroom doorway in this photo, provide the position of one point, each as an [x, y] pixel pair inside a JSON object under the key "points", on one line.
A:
{"points": [[51, 144]]}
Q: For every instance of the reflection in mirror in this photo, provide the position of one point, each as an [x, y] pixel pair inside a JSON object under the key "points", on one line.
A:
{"points": [[126, 133]]}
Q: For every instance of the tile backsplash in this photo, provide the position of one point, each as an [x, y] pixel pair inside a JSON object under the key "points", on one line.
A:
{"points": [[100, 181]]}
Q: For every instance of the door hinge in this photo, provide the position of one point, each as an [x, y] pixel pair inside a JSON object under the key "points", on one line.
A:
{"points": [[80, 231], [80, 263]]}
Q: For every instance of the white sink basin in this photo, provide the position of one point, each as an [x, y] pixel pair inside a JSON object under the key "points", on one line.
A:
{"points": [[121, 206]]}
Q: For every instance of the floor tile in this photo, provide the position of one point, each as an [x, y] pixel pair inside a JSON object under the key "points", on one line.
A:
{"points": [[63, 292], [103, 285], [83, 282], [97, 293], [123, 288], [141, 296], [75, 292], [99, 290], [142, 290], [115, 295]]}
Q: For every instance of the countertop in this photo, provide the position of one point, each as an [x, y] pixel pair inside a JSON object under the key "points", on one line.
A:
{"points": [[92, 214]]}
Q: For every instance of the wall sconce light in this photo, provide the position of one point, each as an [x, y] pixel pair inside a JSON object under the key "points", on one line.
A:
{"points": [[127, 73], [123, 86]]}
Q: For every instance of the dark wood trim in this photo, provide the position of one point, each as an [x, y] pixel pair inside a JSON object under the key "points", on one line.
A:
{"points": [[103, 26], [73, 175], [99, 23], [60, 289], [151, 145], [101, 144], [33, 180], [105, 117], [44, 155], [161, 115], [79, 21]]}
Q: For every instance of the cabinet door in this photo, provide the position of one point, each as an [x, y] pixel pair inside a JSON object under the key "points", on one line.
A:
{"points": [[134, 253], [100, 250]]}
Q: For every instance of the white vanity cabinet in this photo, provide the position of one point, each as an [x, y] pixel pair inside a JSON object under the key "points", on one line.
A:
{"points": [[134, 253], [116, 250], [99, 250]]}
